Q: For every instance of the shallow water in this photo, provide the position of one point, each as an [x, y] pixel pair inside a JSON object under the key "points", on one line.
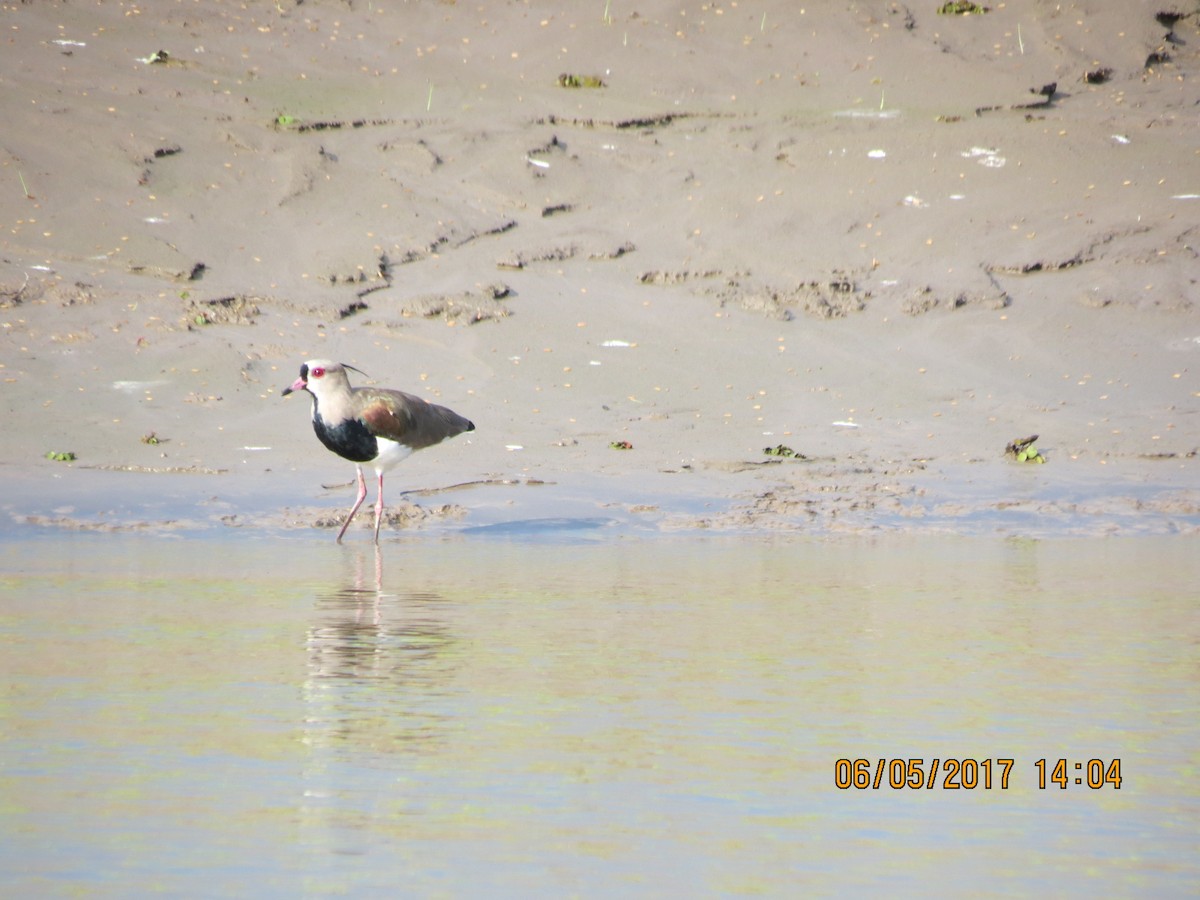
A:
{"points": [[507, 715]]}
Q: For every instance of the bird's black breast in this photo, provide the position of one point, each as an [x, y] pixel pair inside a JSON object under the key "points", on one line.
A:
{"points": [[349, 439]]}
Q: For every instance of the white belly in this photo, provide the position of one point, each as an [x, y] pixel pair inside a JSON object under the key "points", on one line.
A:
{"points": [[391, 454]]}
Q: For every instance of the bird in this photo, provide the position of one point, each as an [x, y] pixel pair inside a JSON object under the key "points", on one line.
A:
{"points": [[371, 425]]}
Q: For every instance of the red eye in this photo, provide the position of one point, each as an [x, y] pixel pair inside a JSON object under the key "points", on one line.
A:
{"points": [[316, 372]]}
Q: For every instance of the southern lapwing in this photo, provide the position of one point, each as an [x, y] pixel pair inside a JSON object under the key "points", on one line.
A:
{"points": [[371, 425]]}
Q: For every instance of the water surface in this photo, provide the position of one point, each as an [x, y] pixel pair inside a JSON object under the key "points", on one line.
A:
{"points": [[511, 715]]}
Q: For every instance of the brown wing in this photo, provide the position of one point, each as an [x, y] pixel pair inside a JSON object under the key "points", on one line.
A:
{"points": [[406, 419]]}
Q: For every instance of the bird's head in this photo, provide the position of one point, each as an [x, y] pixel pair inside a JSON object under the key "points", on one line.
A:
{"points": [[319, 376]]}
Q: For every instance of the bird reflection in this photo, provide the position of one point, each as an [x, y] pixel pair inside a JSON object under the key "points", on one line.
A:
{"points": [[379, 664], [363, 589]]}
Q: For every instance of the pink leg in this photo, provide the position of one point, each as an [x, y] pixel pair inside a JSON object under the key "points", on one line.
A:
{"points": [[378, 507], [362, 493]]}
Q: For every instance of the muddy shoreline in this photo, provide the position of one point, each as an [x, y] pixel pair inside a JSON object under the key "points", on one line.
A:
{"points": [[850, 232]]}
